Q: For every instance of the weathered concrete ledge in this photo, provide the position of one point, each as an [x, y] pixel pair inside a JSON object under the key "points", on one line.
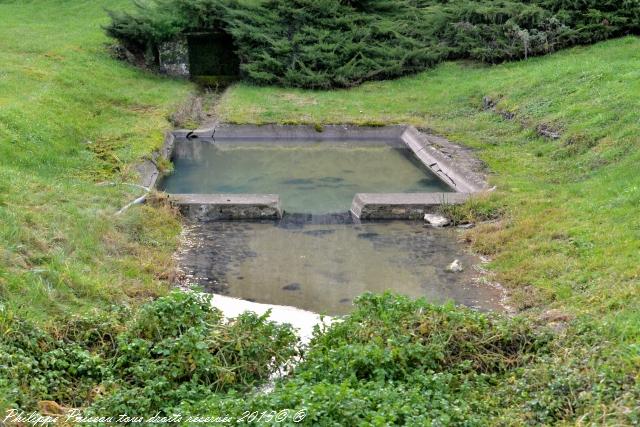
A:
{"points": [[402, 205], [452, 164], [208, 207], [271, 132], [148, 170]]}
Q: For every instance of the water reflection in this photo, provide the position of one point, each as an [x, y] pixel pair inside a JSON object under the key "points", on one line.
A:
{"points": [[314, 177], [321, 263]]}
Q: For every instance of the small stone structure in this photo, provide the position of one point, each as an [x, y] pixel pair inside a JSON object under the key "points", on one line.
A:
{"points": [[208, 58], [454, 165], [212, 58]]}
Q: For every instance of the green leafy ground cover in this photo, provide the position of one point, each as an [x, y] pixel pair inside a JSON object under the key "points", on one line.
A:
{"points": [[567, 237]]}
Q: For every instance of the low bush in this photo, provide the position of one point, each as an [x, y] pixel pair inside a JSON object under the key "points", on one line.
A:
{"points": [[402, 362], [341, 43], [174, 349], [393, 361]]}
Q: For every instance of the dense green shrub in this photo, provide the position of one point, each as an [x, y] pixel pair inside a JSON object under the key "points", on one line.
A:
{"points": [[175, 349], [341, 43], [63, 366], [399, 361], [178, 349], [392, 361]]}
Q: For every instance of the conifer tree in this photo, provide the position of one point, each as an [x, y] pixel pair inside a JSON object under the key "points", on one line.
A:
{"points": [[342, 43]]}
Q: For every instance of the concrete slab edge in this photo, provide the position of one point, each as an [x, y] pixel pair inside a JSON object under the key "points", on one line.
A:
{"points": [[369, 206], [211, 207], [455, 176], [148, 171]]}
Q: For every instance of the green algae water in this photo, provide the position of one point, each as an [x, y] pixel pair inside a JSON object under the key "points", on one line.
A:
{"points": [[310, 177]]}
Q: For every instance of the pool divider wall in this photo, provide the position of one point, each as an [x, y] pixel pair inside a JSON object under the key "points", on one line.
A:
{"points": [[454, 165], [209, 207], [402, 205]]}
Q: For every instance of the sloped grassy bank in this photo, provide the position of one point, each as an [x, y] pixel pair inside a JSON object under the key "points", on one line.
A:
{"points": [[73, 119], [569, 231], [560, 135]]}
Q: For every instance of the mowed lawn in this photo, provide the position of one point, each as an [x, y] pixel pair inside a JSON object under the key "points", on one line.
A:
{"points": [[72, 119], [570, 233]]}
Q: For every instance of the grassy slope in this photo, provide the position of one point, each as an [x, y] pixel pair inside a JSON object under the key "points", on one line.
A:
{"points": [[71, 116], [572, 231]]}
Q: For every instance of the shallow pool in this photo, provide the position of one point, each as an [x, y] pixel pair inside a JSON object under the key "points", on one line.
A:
{"points": [[310, 176], [321, 263]]}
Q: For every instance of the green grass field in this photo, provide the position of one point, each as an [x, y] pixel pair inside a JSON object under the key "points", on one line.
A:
{"points": [[72, 119], [569, 235]]}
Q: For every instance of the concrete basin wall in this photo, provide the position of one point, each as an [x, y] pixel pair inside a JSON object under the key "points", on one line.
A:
{"points": [[210, 207], [456, 166], [402, 205], [293, 132]]}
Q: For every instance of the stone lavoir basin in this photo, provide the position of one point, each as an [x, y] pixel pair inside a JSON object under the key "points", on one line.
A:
{"points": [[317, 177], [293, 216]]}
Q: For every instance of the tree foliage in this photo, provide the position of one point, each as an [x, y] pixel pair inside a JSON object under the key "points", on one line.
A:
{"points": [[341, 43]]}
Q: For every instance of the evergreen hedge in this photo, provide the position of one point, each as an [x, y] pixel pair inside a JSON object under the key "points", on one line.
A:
{"points": [[341, 43]]}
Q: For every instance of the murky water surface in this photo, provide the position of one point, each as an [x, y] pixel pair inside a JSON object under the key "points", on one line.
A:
{"points": [[321, 263], [310, 177]]}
